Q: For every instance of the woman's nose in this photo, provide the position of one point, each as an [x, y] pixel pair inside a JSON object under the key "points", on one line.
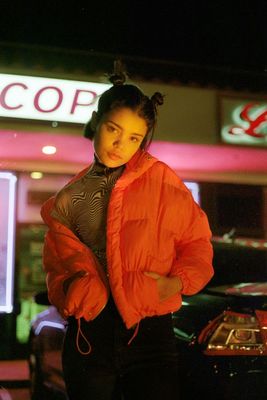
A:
{"points": [[117, 143]]}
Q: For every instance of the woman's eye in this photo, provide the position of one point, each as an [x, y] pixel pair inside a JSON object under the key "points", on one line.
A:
{"points": [[111, 128], [134, 139]]}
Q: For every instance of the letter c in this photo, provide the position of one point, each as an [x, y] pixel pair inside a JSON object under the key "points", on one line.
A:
{"points": [[4, 93]]}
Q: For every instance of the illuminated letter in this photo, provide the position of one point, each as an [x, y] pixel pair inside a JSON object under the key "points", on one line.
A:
{"points": [[38, 94], [3, 96], [75, 100]]}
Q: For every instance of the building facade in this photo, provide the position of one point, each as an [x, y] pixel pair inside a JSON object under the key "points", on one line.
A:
{"points": [[212, 130]]}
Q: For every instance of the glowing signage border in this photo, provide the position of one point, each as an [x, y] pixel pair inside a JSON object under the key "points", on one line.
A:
{"points": [[243, 121], [49, 99], [7, 240]]}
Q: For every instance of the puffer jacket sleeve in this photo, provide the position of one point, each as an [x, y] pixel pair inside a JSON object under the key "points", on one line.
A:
{"points": [[194, 252], [55, 273], [63, 256]]}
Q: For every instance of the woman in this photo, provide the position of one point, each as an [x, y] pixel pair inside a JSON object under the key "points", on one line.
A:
{"points": [[125, 241]]}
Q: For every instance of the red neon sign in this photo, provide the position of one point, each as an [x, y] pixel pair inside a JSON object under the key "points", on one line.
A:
{"points": [[254, 125], [250, 125]]}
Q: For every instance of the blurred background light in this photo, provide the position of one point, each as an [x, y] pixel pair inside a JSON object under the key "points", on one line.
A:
{"points": [[49, 149]]}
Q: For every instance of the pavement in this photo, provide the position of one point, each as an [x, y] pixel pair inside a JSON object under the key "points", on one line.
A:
{"points": [[14, 380]]}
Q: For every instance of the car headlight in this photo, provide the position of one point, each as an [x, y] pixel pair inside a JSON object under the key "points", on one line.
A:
{"points": [[233, 333]]}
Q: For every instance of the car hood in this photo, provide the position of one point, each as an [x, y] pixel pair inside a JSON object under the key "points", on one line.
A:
{"points": [[249, 289]]}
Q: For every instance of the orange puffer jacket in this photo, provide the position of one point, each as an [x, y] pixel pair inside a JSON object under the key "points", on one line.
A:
{"points": [[153, 224]]}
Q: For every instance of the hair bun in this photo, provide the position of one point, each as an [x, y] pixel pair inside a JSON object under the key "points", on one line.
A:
{"points": [[117, 79], [119, 76], [157, 99]]}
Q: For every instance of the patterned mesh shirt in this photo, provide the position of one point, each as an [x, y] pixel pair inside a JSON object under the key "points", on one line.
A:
{"points": [[82, 206]]}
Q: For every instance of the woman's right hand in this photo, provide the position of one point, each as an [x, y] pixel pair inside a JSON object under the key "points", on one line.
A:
{"points": [[167, 285], [68, 281]]}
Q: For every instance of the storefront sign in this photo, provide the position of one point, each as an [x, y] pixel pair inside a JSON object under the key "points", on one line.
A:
{"points": [[7, 238], [49, 99], [244, 122]]}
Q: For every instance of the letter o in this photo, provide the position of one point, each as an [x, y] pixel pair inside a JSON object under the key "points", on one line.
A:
{"points": [[40, 92]]}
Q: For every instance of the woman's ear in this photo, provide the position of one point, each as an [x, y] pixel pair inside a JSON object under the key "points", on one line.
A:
{"points": [[90, 127], [93, 121]]}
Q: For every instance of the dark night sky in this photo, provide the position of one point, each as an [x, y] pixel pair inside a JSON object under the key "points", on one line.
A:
{"points": [[225, 33]]}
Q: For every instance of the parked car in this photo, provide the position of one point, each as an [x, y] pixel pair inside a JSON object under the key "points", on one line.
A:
{"points": [[221, 333]]}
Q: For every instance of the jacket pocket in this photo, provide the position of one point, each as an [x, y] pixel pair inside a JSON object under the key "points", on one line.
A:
{"points": [[141, 292]]}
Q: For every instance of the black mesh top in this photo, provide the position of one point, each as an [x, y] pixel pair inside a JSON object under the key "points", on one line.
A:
{"points": [[82, 206]]}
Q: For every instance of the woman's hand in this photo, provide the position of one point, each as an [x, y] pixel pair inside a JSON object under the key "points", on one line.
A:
{"points": [[167, 285]]}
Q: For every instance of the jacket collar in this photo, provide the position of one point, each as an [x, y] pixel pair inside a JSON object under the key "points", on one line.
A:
{"points": [[135, 167]]}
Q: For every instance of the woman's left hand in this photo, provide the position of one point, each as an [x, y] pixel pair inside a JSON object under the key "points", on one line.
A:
{"points": [[167, 285]]}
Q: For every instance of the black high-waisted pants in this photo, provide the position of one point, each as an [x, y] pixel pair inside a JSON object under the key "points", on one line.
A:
{"points": [[115, 370]]}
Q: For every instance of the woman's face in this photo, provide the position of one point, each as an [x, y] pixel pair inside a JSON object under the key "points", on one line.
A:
{"points": [[118, 136]]}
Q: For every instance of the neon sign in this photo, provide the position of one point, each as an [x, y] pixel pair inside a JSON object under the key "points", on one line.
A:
{"points": [[7, 238], [48, 99], [248, 125]]}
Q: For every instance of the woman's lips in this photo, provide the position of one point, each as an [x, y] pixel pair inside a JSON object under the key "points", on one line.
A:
{"points": [[114, 156]]}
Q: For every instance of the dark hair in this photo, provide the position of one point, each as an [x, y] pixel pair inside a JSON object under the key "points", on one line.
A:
{"points": [[129, 96]]}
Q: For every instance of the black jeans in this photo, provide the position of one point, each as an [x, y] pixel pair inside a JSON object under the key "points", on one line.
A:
{"points": [[144, 369]]}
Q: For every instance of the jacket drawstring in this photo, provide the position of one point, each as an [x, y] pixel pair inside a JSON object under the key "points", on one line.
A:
{"points": [[134, 334], [80, 333]]}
